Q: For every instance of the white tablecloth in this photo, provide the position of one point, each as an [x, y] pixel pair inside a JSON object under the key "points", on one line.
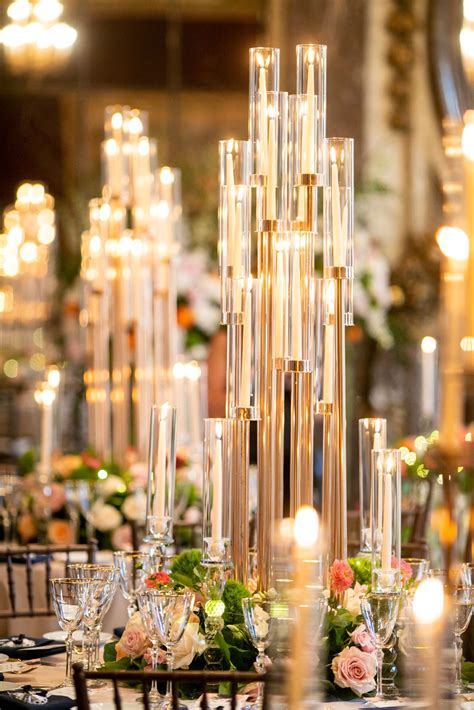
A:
{"points": [[37, 626]]}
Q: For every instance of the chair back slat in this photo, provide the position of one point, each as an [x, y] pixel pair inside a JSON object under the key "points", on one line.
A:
{"points": [[233, 692], [146, 702], [11, 584], [174, 695], [117, 700], [25, 554]]}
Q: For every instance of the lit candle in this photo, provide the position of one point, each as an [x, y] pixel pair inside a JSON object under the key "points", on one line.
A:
{"points": [[237, 258], [428, 377], [193, 376], [262, 90], [379, 501], [337, 236], [216, 518], [229, 172], [308, 120], [279, 301], [272, 168], [328, 374], [387, 524], [160, 469], [244, 392], [46, 398], [296, 305]]}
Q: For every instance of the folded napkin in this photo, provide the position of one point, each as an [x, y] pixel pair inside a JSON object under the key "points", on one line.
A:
{"points": [[55, 702], [39, 649]]}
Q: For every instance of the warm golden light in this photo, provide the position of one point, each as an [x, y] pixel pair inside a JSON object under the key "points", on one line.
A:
{"points": [[467, 142], [428, 344], [428, 602], [453, 242], [306, 528]]}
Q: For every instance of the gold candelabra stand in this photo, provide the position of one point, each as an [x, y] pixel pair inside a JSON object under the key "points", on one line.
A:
{"points": [[128, 267]]}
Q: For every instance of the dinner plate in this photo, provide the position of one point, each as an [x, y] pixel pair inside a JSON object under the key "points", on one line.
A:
{"points": [[77, 636]]}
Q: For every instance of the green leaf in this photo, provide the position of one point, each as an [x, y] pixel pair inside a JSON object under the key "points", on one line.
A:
{"points": [[110, 653], [187, 569], [467, 671], [122, 665], [219, 639]]}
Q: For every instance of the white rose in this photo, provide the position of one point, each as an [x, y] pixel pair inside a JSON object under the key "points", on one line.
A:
{"points": [[191, 643], [111, 485], [352, 598], [134, 506], [261, 622], [104, 517]]}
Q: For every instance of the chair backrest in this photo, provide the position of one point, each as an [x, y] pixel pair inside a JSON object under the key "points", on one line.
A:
{"points": [[23, 568], [200, 679]]}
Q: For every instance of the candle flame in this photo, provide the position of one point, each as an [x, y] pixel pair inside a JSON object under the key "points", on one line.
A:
{"points": [[453, 242], [164, 411], [306, 528], [178, 370], [230, 146], [135, 125], [311, 55], [260, 60], [428, 602], [333, 155], [117, 121], [111, 147], [54, 377], [193, 370], [219, 429], [166, 175], [428, 344]]}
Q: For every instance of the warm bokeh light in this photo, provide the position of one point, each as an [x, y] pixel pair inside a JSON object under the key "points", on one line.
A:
{"points": [[306, 529], [468, 132], [428, 344], [453, 242], [428, 602]]}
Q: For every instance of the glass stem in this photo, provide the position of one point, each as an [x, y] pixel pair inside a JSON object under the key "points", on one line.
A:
{"points": [[154, 694], [379, 671], [260, 668], [69, 649], [458, 656], [169, 668]]}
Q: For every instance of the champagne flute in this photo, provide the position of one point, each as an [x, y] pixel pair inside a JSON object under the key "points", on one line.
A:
{"points": [[69, 597], [259, 623], [380, 611], [132, 568], [462, 601], [165, 615]]}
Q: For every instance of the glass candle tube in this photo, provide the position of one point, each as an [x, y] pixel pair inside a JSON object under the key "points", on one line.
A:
{"points": [[372, 436], [165, 212], [161, 474], [386, 519], [244, 349], [300, 301], [264, 76], [311, 78], [216, 491], [269, 136], [234, 248], [303, 177], [280, 281]]}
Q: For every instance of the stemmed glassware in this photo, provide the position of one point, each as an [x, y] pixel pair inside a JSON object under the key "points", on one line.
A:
{"points": [[132, 569], [10, 489], [165, 615], [99, 602], [462, 602], [259, 623], [419, 568], [69, 598], [380, 611]]}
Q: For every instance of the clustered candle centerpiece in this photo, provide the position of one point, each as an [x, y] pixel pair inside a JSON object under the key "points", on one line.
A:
{"points": [[128, 266], [283, 324]]}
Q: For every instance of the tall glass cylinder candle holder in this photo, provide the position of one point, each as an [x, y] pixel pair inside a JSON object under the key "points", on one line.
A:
{"points": [[244, 353], [386, 519], [311, 62], [269, 138], [165, 212], [114, 167], [264, 76], [303, 178], [216, 524], [143, 158], [234, 249], [280, 281], [300, 341], [324, 345], [161, 475], [372, 437]]}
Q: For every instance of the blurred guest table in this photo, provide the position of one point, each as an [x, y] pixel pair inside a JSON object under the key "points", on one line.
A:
{"points": [[37, 626]]}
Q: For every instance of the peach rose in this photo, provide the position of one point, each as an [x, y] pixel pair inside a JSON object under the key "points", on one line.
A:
{"points": [[27, 527], [355, 669], [361, 637], [134, 641], [60, 532], [341, 576]]}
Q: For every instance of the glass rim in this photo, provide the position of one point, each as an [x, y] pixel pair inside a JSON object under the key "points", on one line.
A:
{"points": [[74, 580]]}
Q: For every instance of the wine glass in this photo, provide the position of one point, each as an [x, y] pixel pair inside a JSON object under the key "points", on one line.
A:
{"points": [[165, 615], [462, 601], [108, 575], [380, 611], [71, 492], [419, 568], [69, 597], [466, 574], [259, 623], [132, 568]]}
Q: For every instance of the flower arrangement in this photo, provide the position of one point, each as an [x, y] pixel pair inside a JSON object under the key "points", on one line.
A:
{"points": [[119, 503]]}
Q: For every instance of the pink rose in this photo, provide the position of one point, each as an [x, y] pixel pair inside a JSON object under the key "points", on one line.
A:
{"points": [[341, 576], [354, 669], [405, 569], [122, 538], [50, 497], [133, 643], [147, 658], [361, 637]]}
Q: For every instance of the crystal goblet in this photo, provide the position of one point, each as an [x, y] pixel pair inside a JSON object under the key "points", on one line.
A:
{"points": [[132, 567], [380, 612], [165, 615], [69, 597], [259, 623], [462, 611]]}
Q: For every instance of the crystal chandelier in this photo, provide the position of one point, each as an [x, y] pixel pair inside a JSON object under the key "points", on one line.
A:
{"points": [[35, 40]]}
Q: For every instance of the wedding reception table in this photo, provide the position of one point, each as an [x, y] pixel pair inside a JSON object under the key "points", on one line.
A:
{"points": [[37, 626]]}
